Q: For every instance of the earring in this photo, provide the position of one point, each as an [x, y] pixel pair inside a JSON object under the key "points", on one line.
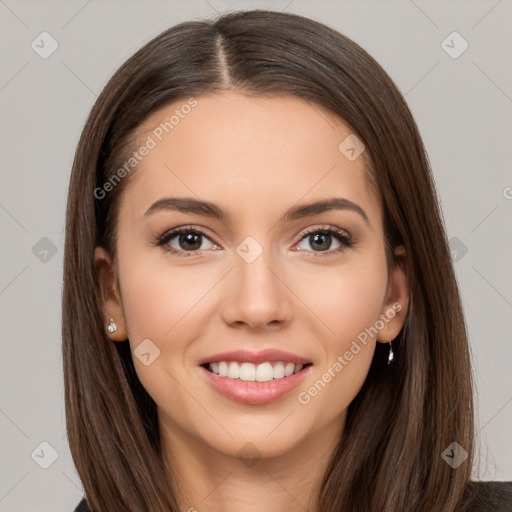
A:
{"points": [[391, 356], [112, 327]]}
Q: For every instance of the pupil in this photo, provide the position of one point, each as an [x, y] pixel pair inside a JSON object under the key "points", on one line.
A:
{"points": [[189, 239], [325, 237]]}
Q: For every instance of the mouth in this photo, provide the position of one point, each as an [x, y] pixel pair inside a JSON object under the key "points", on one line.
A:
{"points": [[250, 372], [253, 391], [255, 377]]}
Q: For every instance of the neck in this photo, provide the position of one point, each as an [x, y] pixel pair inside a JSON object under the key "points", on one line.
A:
{"points": [[208, 479]]}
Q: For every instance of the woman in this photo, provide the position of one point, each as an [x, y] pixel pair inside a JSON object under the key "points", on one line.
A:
{"points": [[310, 351]]}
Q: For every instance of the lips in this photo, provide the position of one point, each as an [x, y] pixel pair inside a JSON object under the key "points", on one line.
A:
{"points": [[255, 377]]}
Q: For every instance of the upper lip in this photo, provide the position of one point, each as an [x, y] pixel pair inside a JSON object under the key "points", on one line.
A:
{"points": [[255, 357]]}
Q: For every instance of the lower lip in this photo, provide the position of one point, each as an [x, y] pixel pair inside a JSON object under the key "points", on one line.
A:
{"points": [[255, 393]]}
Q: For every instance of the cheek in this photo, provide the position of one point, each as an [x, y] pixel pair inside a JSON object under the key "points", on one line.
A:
{"points": [[158, 305], [158, 300], [346, 300], [348, 304], [165, 304]]}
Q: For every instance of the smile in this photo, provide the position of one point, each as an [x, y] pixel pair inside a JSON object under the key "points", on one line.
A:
{"points": [[250, 372]]}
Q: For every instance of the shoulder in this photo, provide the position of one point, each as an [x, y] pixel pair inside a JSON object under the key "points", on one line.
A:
{"points": [[488, 497], [82, 507]]}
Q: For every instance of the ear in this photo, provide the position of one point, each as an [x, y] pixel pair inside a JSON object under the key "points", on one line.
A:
{"points": [[396, 303], [111, 298]]}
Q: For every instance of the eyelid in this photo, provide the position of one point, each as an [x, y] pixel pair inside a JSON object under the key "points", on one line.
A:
{"points": [[180, 229], [329, 228]]}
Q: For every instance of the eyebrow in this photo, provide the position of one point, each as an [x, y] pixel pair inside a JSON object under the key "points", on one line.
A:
{"points": [[191, 205]]}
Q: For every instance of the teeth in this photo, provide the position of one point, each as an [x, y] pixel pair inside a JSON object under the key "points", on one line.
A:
{"points": [[263, 372], [247, 371], [223, 369], [279, 370], [233, 370], [288, 369]]}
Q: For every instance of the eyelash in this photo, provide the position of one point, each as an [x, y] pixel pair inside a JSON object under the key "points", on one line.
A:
{"points": [[343, 237]]}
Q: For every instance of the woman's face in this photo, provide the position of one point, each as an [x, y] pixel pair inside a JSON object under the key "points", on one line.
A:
{"points": [[254, 281]]}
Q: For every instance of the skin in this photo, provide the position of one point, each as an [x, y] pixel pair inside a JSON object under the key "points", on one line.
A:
{"points": [[256, 158]]}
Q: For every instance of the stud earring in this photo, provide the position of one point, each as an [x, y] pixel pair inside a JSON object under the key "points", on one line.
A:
{"points": [[112, 327], [391, 356]]}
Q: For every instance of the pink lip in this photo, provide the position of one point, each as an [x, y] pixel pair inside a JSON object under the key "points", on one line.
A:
{"points": [[255, 393], [261, 356]]}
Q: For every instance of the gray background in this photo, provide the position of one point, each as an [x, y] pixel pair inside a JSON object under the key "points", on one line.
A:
{"points": [[462, 106]]}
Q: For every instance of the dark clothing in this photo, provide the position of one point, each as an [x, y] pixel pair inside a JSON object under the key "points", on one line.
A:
{"points": [[487, 497], [490, 497], [82, 507]]}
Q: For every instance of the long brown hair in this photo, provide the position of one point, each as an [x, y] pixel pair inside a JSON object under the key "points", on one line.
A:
{"points": [[406, 414]]}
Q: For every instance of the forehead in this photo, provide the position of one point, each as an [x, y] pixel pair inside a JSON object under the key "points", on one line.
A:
{"points": [[253, 153]]}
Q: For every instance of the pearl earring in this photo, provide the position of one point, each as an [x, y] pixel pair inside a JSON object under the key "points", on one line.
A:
{"points": [[112, 327]]}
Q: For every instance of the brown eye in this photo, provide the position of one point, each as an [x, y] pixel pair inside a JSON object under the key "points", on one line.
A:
{"points": [[321, 240], [184, 241], [190, 241]]}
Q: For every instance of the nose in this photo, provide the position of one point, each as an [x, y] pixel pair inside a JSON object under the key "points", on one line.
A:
{"points": [[256, 295]]}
